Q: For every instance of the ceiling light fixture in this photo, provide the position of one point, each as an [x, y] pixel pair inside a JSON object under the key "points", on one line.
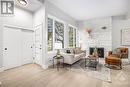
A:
{"points": [[23, 2]]}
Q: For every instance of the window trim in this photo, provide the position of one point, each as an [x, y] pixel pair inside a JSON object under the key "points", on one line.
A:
{"points": [[59, 20], [52, 34], [74, 42]]}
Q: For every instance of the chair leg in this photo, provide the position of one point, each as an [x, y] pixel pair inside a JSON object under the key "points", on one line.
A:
{"points": [[70, 66], [85, 62], [120, 66]]}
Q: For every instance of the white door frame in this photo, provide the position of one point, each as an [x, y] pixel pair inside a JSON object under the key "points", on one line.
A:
{"points": [[41, 45]]}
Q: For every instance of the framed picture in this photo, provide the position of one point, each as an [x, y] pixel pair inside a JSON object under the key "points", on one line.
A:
{"points": [[125, 37]]}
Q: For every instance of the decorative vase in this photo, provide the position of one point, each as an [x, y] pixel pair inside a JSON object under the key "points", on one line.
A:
{"points": [[95, 53]]}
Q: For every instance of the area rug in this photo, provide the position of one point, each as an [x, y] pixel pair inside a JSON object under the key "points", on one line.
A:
{"points": [[102, 72], [125, 62]]}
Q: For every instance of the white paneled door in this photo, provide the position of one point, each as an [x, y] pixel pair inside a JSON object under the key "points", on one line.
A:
{"points": [[38, 45], [17, 47], [27, 46], [12, 48]]}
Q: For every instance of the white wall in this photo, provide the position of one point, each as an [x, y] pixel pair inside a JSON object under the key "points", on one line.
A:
{"points": [[21, 18], [128, 12], [39, 16], [56, 12], [1, 27], [119, 23], [100, 37]]}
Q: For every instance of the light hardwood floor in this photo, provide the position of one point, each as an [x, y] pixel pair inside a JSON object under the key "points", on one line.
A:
{"points": [[32, 75]]}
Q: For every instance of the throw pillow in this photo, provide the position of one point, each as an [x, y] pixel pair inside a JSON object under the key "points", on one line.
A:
{"points": [[68, 51]]}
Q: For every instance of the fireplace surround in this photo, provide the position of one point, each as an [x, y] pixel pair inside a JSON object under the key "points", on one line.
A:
{"points": [[100, 51]]}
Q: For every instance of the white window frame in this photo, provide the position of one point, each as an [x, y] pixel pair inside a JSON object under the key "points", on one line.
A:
{"points": [[74, 42], [52, 34], [59, 20]]}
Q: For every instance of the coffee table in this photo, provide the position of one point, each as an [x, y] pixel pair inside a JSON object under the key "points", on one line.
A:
{"points": [[93, 61]]}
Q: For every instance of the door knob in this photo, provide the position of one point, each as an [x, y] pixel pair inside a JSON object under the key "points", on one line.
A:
{"points": [[5, 49]]}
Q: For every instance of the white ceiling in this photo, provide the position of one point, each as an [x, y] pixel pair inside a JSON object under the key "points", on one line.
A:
{"points": [[88, 9], [32, 5]]}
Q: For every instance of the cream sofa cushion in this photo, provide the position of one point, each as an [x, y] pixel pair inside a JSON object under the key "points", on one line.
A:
{"points": [[77, 50], [71, 58]]}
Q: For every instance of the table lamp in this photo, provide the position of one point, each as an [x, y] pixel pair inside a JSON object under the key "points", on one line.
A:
{"points": [[58, 46]]}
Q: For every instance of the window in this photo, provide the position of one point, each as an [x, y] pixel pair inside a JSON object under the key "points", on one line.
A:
{"points": [[59, 32], [55, 32], [72, 36], [50, 34], [75, 37]]}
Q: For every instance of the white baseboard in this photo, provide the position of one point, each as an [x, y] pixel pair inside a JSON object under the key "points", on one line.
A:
{"points": [[0, 83], [1, 69], [44, 66]]}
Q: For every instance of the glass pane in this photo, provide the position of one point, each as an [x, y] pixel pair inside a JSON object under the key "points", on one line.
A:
{"points": [[59, 32], [74, 37], [50, 34], [70, 36]]}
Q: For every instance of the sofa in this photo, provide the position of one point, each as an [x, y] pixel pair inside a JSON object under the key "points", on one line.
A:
{"points": [[72, 55]]}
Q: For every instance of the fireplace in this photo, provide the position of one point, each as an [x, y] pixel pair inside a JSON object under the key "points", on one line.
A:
{"points": [[100, 51]]}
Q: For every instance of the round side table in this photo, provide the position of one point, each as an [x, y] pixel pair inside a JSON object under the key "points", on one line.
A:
{"points": [[58, 61]]}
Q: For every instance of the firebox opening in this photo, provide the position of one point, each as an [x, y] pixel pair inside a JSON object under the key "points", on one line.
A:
{"points": [[100, 51]]}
